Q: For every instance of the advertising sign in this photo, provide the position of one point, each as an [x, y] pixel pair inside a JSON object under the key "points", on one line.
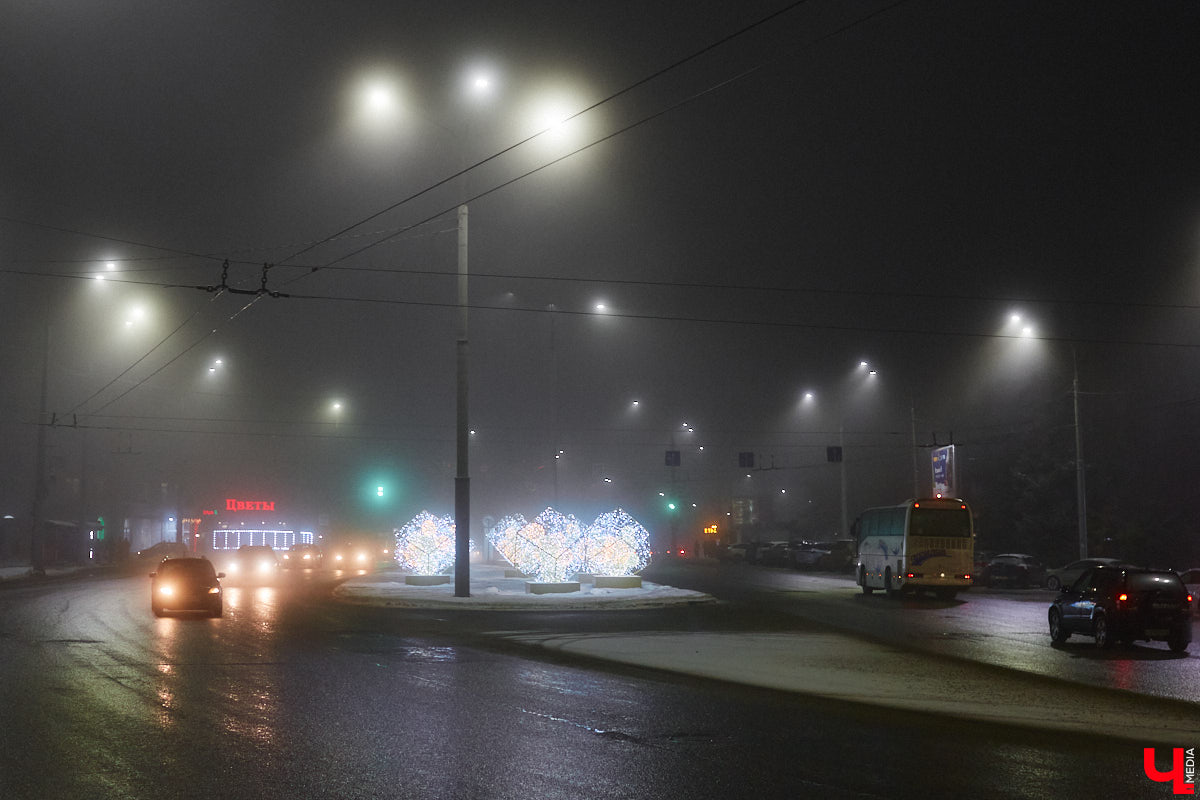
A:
{"points": [[945, 476]]}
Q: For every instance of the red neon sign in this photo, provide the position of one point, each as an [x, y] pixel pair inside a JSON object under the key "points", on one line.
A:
{"points": [[249, 505]]}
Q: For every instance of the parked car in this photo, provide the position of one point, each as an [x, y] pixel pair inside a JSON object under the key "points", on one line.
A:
{"points": [[733, 552], [1013, 569], [303, 556], [773, 554], [1124, 604], [186, 584], [805, 555], [840, 555], [1065, 576]]}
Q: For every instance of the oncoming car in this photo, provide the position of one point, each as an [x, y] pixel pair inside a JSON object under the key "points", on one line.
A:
{"points": [[351, 557], [253, 562], [186, 584], [303, 556], [1124, 604]]}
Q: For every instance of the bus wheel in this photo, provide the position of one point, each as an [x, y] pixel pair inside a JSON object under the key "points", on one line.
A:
{"points": [[887, 583], [862, 581]]}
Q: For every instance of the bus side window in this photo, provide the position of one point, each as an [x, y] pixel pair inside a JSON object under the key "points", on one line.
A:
{"points": [[896, 521]]}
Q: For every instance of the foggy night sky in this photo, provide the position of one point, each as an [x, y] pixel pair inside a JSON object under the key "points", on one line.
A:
{"points": [[846, 181]]}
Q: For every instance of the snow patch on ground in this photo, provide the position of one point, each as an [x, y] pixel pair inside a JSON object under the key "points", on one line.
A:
{"points": [[491, 589]]}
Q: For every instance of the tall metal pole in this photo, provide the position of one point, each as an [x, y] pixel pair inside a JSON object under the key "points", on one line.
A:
{"points": [[36, 562], [462, 480], [554, 395], [1080, 483], [916, 484], [842, 464]]}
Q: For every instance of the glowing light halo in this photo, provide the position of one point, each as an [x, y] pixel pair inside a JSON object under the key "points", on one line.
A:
{"points": [[615, 544], [426, 544], [547, 548]]}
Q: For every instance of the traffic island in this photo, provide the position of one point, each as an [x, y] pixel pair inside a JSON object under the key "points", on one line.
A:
{"points": [[567, 587], [618, 582], [426, 580]]}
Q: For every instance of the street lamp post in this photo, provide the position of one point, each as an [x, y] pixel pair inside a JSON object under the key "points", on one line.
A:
{"points": [[462, 479], [1080, 483], [1020, 330]]}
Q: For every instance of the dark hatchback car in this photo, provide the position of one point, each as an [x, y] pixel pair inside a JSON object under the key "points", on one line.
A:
{"points": [[1013, 569], [1124, 604], [186, 584]]}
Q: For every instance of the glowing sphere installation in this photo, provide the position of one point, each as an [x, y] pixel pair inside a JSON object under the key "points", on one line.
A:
{"points": [[426, 544], [547, 548], [615, 544], [554, 547]]}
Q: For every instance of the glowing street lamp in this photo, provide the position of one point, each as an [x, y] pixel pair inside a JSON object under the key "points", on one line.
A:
{"points": [[1025, 333]]}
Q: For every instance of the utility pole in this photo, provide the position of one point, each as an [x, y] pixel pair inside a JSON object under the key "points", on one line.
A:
{"points": [[462, 479]]}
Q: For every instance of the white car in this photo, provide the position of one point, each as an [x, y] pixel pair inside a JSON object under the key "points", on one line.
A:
{"points": [[1065, 576]]}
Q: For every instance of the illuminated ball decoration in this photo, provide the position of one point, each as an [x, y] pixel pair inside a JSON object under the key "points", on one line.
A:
{"points": [[503, 537], [615, 544], [426, 544], [547, 548]]}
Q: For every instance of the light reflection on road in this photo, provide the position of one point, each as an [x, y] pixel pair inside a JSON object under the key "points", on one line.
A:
{"points": [[230, 664]]}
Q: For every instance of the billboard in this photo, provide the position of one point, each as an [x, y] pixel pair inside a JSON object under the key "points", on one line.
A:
{"points": [[945, 474]]}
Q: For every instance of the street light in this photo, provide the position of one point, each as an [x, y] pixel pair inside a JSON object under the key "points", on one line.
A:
{"points": [[1024, 334]]}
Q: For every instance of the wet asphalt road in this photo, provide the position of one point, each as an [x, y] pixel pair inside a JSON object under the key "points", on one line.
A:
{"points": [[293, 695], [1002, 627]]}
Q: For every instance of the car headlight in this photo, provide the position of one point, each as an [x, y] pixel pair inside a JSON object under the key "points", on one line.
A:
{"points": [[264, 566], [215, 590], [308, 556], [362, 557], [166, 590], [233, 567]]}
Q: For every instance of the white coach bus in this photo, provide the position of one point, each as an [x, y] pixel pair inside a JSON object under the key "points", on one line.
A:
{"points": [[921, 544]]}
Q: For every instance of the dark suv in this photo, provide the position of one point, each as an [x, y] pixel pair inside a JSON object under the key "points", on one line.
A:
{"points": [[1124, 604]]}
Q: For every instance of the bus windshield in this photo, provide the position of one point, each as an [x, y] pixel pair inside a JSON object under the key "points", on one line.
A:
{"points": [[953, 522]]}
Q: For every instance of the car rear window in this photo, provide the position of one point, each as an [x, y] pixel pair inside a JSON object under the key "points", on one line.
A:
{"points": [[1156, 581], [196, 568]]}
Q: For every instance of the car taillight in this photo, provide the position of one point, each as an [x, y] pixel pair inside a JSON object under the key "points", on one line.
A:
{"points": [[1122, 597], [1189, 598]]}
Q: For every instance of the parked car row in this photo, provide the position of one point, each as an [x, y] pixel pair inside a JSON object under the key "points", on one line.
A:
{"points": [[832, 556]]}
